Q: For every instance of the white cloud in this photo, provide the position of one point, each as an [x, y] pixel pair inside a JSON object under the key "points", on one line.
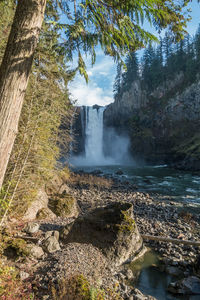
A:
{"points": [[89, 94], [100, 86], [104, 64], [90, 73]]}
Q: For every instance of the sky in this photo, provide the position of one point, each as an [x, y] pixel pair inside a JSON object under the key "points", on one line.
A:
{"points": [[99, 90]]}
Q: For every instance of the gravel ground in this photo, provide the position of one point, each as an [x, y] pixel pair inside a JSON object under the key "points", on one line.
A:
{"points": [[153, 217]]}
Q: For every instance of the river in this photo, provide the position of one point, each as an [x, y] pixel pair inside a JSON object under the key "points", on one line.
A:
{"points": [[166, 183]]}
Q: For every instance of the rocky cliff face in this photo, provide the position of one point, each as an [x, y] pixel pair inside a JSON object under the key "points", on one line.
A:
{"points": [[118, 113], [164, 125], [78, 133]]}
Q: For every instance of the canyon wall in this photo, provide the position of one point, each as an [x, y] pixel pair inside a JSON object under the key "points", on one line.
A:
{"points": [[164, 125]]}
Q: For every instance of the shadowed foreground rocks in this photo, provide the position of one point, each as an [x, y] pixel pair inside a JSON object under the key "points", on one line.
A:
{"points": [[111, 228]]}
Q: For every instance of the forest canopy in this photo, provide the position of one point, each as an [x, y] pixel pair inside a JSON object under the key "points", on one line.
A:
{"points": [[161, 63]]}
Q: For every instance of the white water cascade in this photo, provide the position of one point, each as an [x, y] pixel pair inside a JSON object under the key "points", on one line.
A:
{"points": [[94, 135]]}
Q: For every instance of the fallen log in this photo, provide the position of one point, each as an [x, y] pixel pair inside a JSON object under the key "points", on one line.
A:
{"points": [[170, 240], [29, 238]]}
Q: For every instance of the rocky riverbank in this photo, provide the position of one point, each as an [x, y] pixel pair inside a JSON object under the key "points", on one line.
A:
{"points": [[50, 259]]}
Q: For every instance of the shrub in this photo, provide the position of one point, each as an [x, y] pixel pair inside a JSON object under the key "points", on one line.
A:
{"points": [[11, 287], [77, 287]]}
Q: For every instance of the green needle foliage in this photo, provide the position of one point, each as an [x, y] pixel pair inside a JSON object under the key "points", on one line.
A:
{"points": [[117, 26]]}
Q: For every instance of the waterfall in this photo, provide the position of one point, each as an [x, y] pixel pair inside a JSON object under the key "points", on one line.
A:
{"points": [[94, 135], [96, 141]]}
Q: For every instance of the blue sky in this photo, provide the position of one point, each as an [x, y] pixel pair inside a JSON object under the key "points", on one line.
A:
{"points": [[102, 74]]}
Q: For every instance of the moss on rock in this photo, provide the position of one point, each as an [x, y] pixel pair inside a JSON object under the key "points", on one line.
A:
{"points": [[42, 214], [63, 205], [127, 223], [190, 147], [45, 213], [13, 247]]}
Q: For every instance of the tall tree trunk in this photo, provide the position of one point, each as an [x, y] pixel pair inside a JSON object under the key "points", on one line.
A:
{"points": [[15, 70]]}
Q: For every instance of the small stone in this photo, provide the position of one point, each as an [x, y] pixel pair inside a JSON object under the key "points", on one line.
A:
{"points": [[51, 245], [56, 234], [119, 172], [137, 292], [174, 263], [35, 251], [129, 274], [123, 287], [23, 275], [48, 234], [32, 228], [139, 297], [173, 271], [121, 276]]}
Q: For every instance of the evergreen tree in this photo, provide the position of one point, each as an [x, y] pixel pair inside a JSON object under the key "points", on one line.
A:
{"points": [[148, 64], [132, 72], [168, 55], [159, 65], [118, 81], [190, 63], [181, 56], [197, 48]]}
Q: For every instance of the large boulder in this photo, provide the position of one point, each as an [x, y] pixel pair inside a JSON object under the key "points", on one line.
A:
{"points": [[56, 186], [197, 266], [186, 286], [39, 203], [111, 228], [64, 205]]}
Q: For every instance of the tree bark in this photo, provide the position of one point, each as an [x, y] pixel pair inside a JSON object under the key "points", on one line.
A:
{"points": [[15, 70]]}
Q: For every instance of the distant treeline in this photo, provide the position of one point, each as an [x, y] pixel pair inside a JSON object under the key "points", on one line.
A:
{"points": [[161, 63]]}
